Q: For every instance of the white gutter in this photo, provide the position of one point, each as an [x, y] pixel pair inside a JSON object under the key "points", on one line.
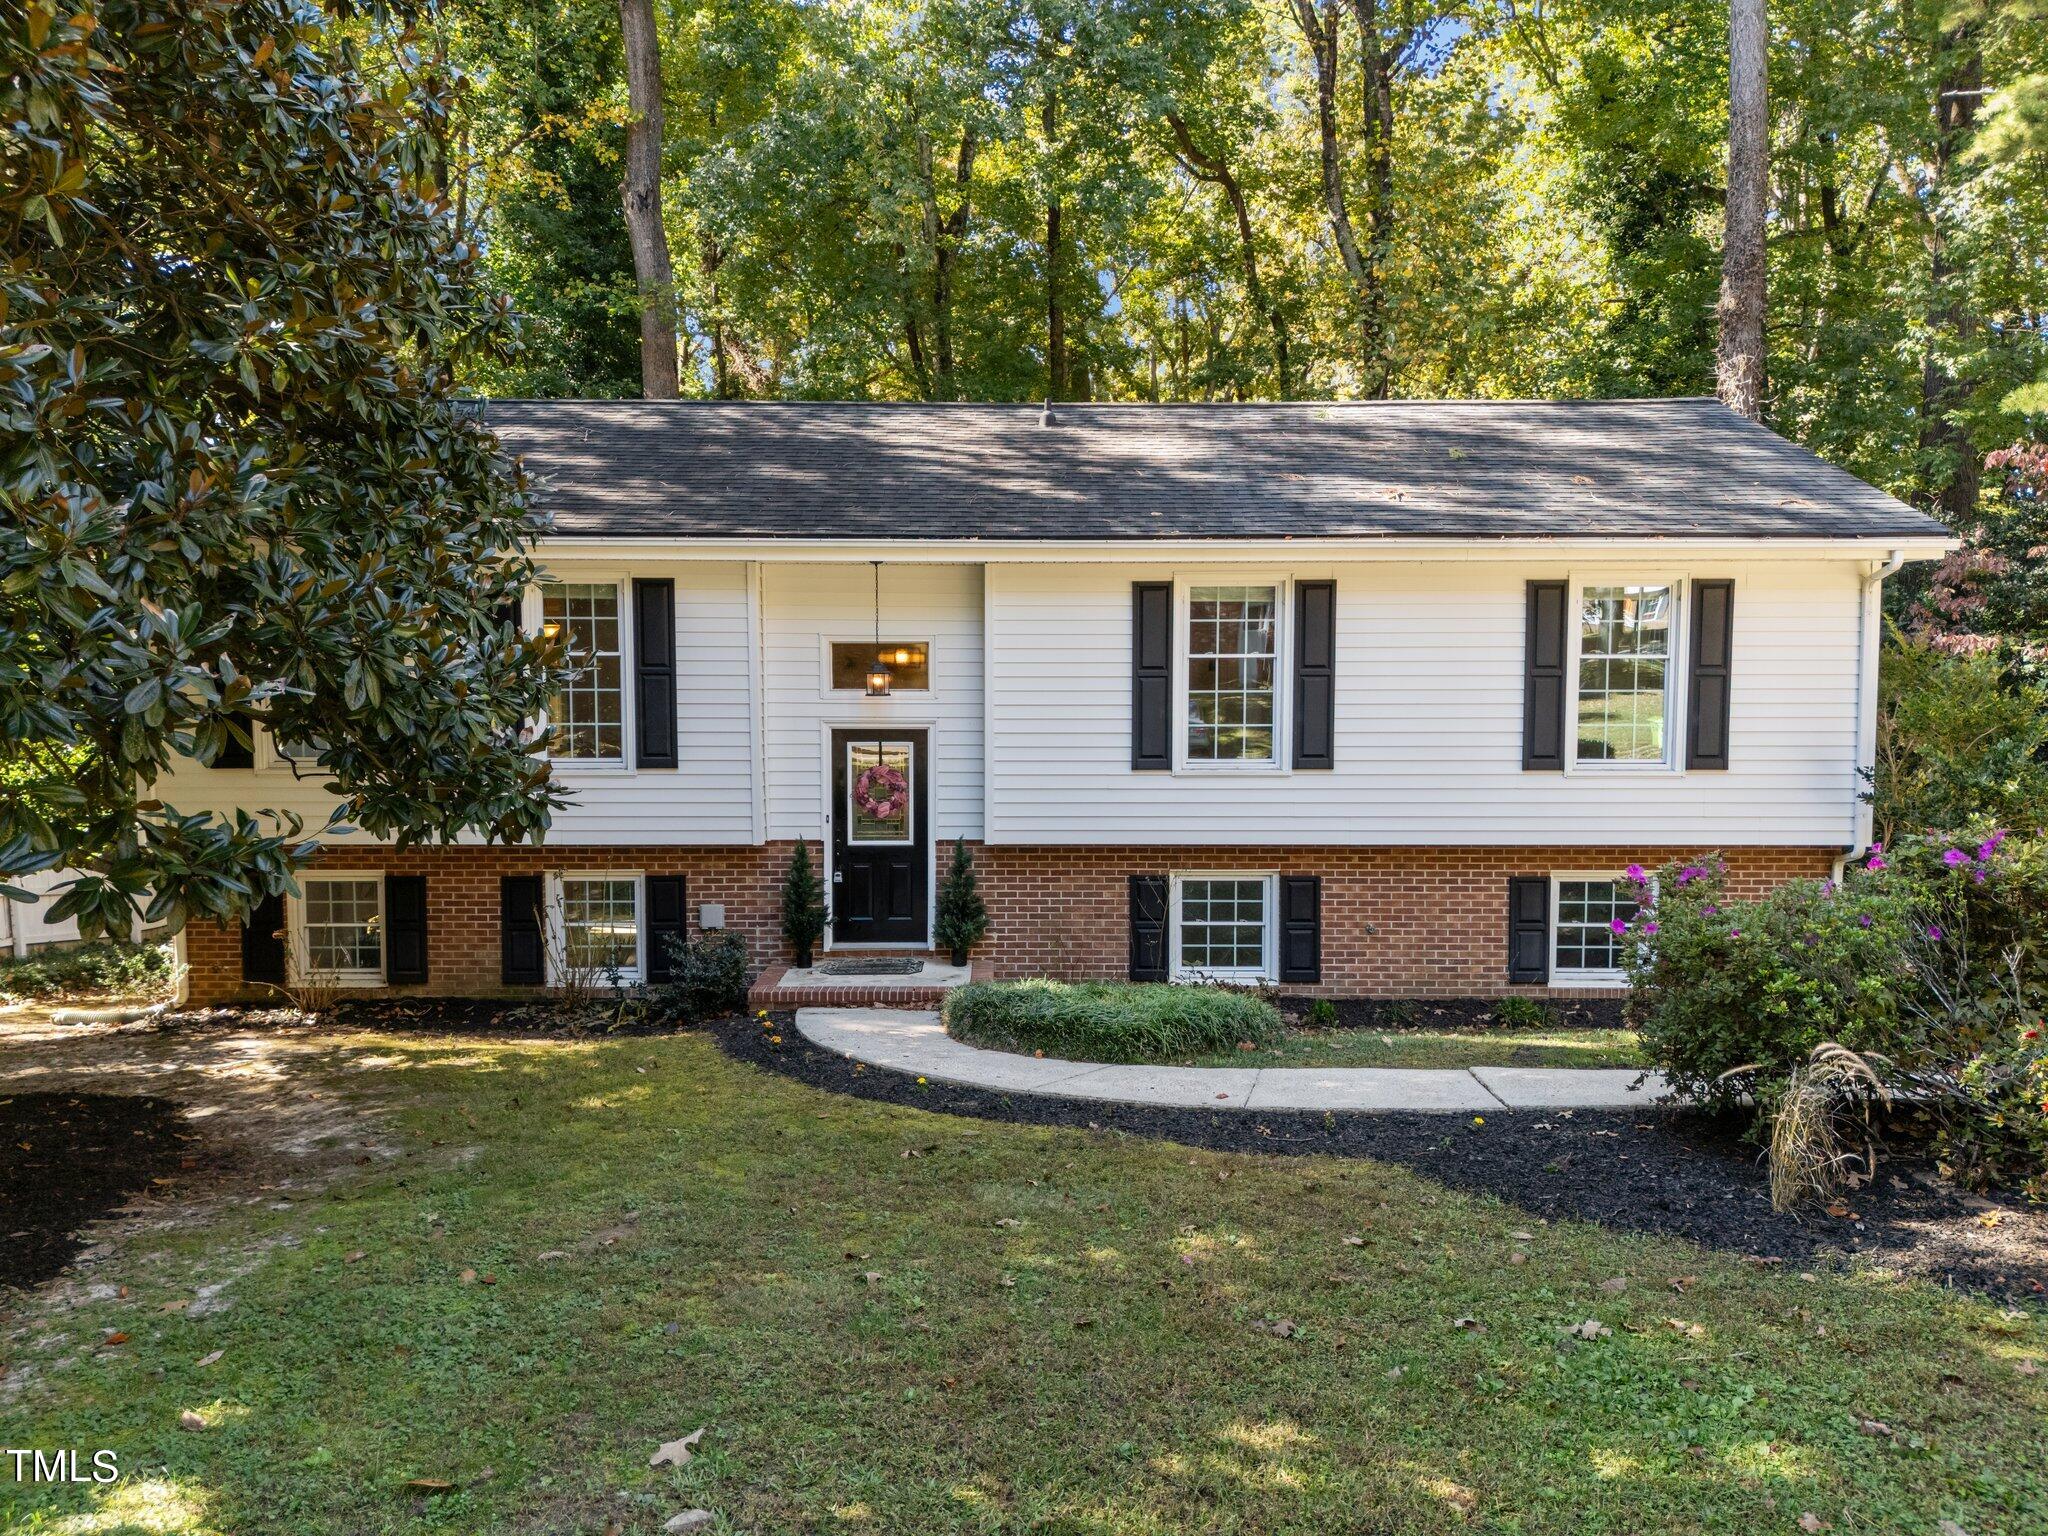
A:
{"points": [[616, 549], [1868, 652]]}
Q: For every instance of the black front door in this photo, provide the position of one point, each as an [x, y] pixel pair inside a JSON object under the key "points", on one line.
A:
{"points": [[881, 834]]}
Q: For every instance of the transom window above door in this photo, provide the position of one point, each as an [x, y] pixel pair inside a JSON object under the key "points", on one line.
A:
{"points": [[1233, 642], [587, 717], [1624, 688], [908, 661]]}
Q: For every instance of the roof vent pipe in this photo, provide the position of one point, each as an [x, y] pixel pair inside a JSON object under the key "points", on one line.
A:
{"points": [[1046, 417]]}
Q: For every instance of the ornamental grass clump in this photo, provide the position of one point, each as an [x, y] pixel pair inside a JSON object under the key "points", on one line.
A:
{"points": [[1109, 1020]]}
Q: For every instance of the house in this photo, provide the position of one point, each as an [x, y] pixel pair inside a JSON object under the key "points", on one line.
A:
{"points": [[1358, 699]]}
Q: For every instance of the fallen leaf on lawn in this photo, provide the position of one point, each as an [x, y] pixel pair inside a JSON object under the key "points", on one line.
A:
{"points": [[1873, 1427], [354, 1257], [429, 1485], [1841, 1212], [873, 1277], [552, 1253], [1008, 1221], [210, 1358], [1615, 1286], [1523, 1237], [2027, 1368], [467, 1277], [677, 1453], [1354, 1242], [1592, 1328], [1397, 1373], [1519, 1256], [190, 1420], [1809, 1521], [1467, 1324], [689, 1520], [1084, 1322], [487, 1280], [1949, 1528], [1690, 1330], [1283, 1329], [1990, 1218], [176, 1306], [1683, 1283], [116, 1337]]}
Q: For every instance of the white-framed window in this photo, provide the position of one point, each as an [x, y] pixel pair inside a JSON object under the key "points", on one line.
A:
{"points": [[1222, 927], [587, 718], [1625, 662], [337, 929], [1231, 641], [596, 920], [1589, 918]]}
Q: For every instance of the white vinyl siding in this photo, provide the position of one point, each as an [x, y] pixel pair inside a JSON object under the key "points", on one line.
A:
{"points": [[707, 799], [1428, 721], [804, 608]]}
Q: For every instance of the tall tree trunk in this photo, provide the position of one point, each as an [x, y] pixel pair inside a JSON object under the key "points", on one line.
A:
{"points": [[1739, 358], [1376, 65], [641, 193], [944, 235], [1954, 493], [1216, 168], [1321, 33], [1055, 311]]}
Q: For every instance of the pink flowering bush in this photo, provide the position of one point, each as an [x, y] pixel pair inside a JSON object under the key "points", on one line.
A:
{"points": [[1720, 984], [1929, 960]]}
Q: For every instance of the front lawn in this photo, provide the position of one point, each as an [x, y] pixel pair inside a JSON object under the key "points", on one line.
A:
{"points": [[553, 1257], [1367, 1046]]}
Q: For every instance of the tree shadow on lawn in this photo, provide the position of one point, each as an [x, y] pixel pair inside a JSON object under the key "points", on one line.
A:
{"points": [[1674, 1172]]}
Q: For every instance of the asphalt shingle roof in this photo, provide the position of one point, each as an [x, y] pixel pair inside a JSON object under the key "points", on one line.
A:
{"points": [[1396, 469]]}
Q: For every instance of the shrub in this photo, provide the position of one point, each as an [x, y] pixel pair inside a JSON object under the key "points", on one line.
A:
{"points": [[1108, 1021], [1397, 1013], [1719, 985], [122, 970], [962, 918], [1322, 1014], [1958, 740], [709, 977], [1520, 1013]]}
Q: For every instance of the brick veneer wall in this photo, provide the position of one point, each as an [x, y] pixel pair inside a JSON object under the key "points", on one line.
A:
{"points": [[1397, 922]]}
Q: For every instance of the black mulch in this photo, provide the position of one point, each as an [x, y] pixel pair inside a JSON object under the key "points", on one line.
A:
{"points": [[1458, 1013], [67, 1159], [1672, 1172]]}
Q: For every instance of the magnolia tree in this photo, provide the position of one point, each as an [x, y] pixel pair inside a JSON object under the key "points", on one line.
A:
{"points": [[238, 483]]}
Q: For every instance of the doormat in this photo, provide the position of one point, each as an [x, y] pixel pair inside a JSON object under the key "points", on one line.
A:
{"points": [[907, 967]]}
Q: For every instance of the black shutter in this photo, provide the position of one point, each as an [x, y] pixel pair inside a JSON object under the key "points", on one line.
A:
{"points": [[1152, 675], [667, 909], [1315, 674], [239, 754], [1148, 927], [521, 963], [405, 928], [1528, 928], [1543, 677], [1706, 719], [654, 672], [1301, 928], [263, 942]]}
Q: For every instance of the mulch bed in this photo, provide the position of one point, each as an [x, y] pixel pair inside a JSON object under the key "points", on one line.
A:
{"points": [[1465, 1013], [68, 1159], [1671, 1172]]}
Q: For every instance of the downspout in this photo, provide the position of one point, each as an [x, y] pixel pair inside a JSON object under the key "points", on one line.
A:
{"points": [[1869, 649]]}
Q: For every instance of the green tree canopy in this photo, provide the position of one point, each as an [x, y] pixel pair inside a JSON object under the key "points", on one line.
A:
{"points": [[237, 479]]}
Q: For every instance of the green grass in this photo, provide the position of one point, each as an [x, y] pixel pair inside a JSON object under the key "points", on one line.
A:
{"points": [[893, 1321], [1108, 1020], [103, 972], [1436, 1048]]}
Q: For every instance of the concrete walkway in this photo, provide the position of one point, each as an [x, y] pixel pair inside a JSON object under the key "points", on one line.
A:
{"points": [[905, 1040]]}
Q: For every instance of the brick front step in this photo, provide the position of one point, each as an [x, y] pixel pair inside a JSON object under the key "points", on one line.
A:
{"points": [[769, 990]]}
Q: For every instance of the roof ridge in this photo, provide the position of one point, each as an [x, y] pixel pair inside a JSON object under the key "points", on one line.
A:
{"points": [[1104, 405]]}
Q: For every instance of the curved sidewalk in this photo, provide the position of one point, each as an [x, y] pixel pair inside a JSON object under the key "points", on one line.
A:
{"points": [[913, 1041]]}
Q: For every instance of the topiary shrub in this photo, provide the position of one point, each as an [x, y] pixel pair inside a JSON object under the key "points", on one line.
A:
{"points": [[1108, 1020], [962, 916], [803, 904], [708, 977]]}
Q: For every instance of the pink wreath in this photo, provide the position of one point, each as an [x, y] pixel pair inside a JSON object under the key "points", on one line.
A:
{"points": [[881, 791]]}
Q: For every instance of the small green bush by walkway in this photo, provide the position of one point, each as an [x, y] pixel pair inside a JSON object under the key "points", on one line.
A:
{"points": [[1108, 1020], [110, 970]]}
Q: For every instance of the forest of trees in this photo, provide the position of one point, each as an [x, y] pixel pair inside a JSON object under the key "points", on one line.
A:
{"points": [[1260, 199]]}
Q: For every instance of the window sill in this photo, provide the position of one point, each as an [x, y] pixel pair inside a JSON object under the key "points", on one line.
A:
{"points": [[1231, 770], [1594, 980]]}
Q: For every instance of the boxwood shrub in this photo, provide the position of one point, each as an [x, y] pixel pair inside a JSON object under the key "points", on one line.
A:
{"points": [[1108, 1021]]}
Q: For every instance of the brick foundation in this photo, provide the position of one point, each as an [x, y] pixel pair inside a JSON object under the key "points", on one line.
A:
{"points": [[1397, 922]]}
